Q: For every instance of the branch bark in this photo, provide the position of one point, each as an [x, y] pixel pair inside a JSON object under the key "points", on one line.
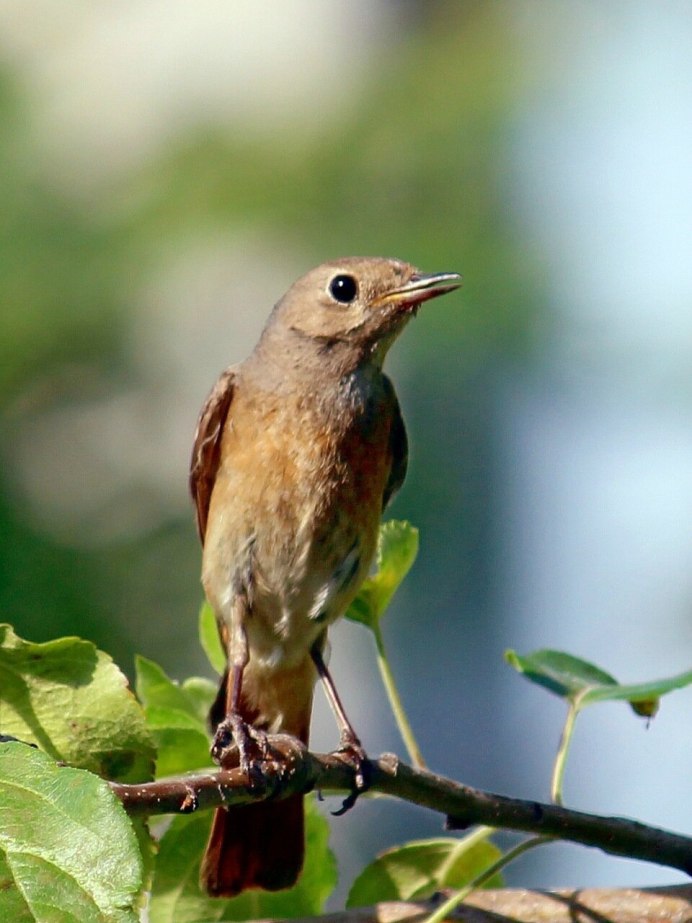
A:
{"points": [[293, 769], [518, 905]]}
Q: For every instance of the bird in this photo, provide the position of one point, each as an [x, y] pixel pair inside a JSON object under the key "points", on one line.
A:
{"points": [[297, 452]]}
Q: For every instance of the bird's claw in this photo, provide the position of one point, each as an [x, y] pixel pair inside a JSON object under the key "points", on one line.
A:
{"points": [[238, 743], [351, 750]]}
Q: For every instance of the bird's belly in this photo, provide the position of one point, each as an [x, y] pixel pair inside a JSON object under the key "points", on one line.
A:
{"points": [[297, 533], [302, 579], [299, 573]]}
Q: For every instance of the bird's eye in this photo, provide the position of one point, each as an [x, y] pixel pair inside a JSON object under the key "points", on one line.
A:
{"points": [[343, 289]]}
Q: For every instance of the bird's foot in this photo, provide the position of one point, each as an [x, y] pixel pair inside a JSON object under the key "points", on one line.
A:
{"points": [[237, 743], [351, 750]]}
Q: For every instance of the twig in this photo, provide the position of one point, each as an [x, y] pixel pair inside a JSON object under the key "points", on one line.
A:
{"points": [[294, 769]]}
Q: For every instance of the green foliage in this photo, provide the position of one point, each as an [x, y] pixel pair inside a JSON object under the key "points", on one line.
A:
{"points": [[66, 696], [397, 548], [416, 870], [67, 848], [176, 897], [71, 700], [582, 683], [176, 716], [209, 638]]}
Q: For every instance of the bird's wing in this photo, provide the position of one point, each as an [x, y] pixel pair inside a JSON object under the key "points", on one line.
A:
{"points": [[206, 450], [398, 446]]}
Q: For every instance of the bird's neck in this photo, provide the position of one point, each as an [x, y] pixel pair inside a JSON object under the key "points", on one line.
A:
{"points": [[306, 363]]}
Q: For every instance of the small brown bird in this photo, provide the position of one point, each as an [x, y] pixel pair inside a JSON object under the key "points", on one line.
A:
{"points": [[298, 450]]}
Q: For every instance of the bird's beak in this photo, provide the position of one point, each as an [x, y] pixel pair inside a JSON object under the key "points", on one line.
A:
{"points": [[420, 288]]}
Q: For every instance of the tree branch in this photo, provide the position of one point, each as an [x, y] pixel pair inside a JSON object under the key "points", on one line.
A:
{"points": [[293, 769], [514, 905]]}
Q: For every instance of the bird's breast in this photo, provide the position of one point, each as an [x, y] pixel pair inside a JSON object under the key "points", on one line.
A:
{"points": [[295, 510]]}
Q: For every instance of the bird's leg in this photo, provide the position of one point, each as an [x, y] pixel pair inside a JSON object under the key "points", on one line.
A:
{"points": [[234, 731], [350, 744]]}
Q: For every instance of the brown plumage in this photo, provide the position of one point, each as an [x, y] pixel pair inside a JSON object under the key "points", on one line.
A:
{"points": [[297, 451]]}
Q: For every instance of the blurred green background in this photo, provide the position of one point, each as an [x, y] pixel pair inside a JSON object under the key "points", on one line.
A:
{"points": [[168, 169]]}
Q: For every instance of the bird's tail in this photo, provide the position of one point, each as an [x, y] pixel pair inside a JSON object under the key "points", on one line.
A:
{"points": [[257, 845], [254, 846]]}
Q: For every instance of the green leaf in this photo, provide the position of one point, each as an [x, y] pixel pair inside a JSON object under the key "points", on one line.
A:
{"points": [[209, 638], [71, 700], [418, 869], [175, 717], [396, 551], [201, 693], [583, 683], [180, 749], [156, 689], [175, 894], [561, 673], [12, 904], [642, 696], [177, 898], [67, 848]]}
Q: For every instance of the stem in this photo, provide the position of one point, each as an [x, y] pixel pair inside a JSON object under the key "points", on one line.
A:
{"points": [[402, 721], [453, 902], [561, 755]]}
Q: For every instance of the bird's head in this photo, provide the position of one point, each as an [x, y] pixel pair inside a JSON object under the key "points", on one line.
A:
{"points": [[358, 304]]}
